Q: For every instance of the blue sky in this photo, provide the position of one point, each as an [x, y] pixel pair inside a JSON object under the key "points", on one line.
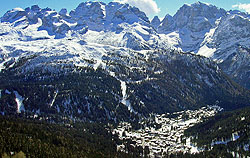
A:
{"points": [[151, 7]]}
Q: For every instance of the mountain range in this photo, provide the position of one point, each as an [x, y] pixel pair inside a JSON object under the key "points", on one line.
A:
{"points": [[110, 62]]}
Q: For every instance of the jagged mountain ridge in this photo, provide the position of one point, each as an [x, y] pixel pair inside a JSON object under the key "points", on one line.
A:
{"points": [[191, 22], [110, 64], [212, 32], [228, 44], [111, 24]]}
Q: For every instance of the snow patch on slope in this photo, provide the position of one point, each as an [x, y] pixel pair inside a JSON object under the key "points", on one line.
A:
{"points": [[19, 100], [205, 51], [125, 100], [52, 103], [193, 149], [7, 91], [234, 137]]}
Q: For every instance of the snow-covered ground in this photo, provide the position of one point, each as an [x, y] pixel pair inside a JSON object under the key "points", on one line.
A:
{"points": [[87, 34], [125, 100], [55, 95], [19, 100]]}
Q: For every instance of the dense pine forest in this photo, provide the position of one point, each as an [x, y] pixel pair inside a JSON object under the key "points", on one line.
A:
{"points": [[36, 139], [21, 137]]}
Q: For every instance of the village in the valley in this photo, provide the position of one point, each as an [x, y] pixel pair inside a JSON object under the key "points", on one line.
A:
{"points": [[165, 135]]}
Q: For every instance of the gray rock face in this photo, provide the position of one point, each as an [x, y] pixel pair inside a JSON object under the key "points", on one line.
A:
{"points": [[13, 15], [231, 40], [107, 62], [96, 16], [167, 24], [196, 17], [200, 28], [155, 22], [212, 32]]}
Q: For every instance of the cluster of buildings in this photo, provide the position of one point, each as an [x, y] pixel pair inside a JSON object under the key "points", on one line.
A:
{"points": [[164, 134]]}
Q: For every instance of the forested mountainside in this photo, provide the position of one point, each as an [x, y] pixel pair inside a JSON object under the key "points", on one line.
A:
{"points": [[83, 73], [130, 87], [38, 139], [227, 132]]}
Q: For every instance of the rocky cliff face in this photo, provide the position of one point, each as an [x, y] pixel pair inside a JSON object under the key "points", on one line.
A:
{"points": [[230, 47], [191, 23], [212, 32], [107, 62]]}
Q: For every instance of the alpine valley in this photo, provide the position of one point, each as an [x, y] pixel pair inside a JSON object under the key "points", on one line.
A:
{"points": [[107, 66]]}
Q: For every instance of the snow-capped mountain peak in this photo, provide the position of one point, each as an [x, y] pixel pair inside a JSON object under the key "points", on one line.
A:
{"points": [[100, 16], [106, 54], [155, 22], [198, 16], [13, 15]]}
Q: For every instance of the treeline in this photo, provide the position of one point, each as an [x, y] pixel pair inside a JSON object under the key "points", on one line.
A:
{"points": [[40, 139], [157, 85]]}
